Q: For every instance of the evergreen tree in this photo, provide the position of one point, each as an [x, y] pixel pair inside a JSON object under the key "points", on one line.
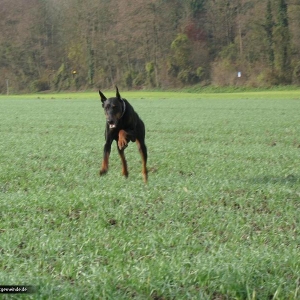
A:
{"points": [[269, 26], [283, 44]]}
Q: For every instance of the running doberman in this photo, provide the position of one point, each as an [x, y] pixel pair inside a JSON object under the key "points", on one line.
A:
{"points": [[123, 125]]}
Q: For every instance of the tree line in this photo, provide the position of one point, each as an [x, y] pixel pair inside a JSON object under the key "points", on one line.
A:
{"points": [[81, 44]]}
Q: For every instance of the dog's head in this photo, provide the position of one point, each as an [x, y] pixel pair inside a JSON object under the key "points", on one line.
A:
{"points": [[114, 108]]}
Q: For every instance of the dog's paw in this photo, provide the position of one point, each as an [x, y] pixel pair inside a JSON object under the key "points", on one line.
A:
{"points": [[122, 144], [125, 173], [102, 172]]}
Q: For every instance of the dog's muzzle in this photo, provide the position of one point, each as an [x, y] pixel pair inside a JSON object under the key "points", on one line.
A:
{"points": [[111, 124]]}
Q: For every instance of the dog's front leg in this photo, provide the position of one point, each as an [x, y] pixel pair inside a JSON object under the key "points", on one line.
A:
{"points": [[107, 148], [125, 137], [122, 140]]}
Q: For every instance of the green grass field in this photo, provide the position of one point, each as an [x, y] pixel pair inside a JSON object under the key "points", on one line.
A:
{"points": [[219, 218]]}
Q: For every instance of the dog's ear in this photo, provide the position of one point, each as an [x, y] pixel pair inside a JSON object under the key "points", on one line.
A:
{"points": [[103, 98], [117, 93]]}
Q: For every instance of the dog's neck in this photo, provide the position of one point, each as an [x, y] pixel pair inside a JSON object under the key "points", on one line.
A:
{"points": [[124, 107]]}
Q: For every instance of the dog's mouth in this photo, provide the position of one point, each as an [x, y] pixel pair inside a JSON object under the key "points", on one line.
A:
{"points": [[111, 124]]}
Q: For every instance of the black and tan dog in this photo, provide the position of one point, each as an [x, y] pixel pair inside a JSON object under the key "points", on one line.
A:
{"points": [[122, 125]]}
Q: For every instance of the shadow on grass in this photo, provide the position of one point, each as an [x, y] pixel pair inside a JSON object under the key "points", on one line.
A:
{"points": [[289, 179]]}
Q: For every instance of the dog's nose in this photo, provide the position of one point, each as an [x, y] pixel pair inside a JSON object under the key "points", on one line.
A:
{"points": [[110, 122]]}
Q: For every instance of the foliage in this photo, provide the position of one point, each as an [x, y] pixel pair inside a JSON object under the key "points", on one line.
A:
{"points": [[150, 71], [282, 41], [200, 72], [217, 220], [267, 78], [61, 79], [181, 48], [39, 86], [180, 63], [197, 6], [296, 74], [128, 78], [187, 76], [139, 80], [269, 27], [111, 42], [230, 53]]}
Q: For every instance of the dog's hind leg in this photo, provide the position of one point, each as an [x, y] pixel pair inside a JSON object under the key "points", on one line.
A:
{"points": [[124, 163], [143, 151]]}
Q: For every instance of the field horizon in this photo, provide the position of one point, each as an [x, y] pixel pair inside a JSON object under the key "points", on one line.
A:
{"points": [[218, 219]]}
